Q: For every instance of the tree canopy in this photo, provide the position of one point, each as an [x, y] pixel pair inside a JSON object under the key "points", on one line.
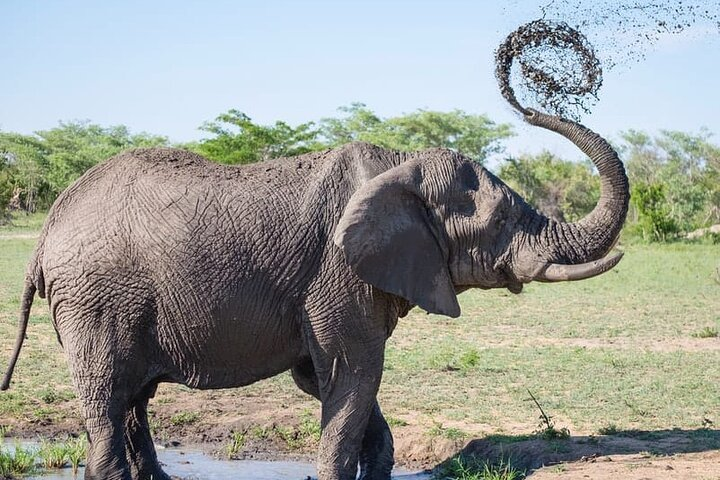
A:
{"points": [[42, 165], [675, 179], [475, 136], [674, 176], [560, 189], [236, 139]]}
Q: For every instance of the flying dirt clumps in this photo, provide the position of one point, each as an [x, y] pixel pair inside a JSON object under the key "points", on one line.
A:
{"points": [[558, 68], [624, 32]]}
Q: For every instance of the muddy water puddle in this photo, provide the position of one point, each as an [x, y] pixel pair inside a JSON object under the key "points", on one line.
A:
{"points": [[194, 464]]}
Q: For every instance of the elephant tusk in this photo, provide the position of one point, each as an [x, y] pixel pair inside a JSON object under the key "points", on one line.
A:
{"points": [[556, 272]]}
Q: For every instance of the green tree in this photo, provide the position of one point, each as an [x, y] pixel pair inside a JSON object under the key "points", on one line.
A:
{"points": [[654, 219], [25, 161], [238, 140], [42, 165], [6, 189], [676, 174], [73, 147], [358, 123], [475, 136], [561, 189]]}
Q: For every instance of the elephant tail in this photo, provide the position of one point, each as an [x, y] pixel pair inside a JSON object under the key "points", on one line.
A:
{"points": [[25, 304]]}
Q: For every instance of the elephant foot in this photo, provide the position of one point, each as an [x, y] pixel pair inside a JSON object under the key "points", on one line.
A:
{"points": [[148, 468], [155, 474]]}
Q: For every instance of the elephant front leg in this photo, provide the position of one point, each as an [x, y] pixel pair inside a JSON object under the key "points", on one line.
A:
{"points": [[347, 402], [377, 451]]}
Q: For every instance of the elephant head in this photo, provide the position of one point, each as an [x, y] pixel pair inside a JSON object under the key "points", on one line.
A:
{"points": [[439, 224]]}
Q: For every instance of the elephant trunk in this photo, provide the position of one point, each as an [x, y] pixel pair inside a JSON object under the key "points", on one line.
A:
{"points": [[577, 250]]}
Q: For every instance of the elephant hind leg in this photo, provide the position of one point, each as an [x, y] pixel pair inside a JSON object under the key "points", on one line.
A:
{"points": [[108, 372], [377, 452], [304, 376], [104, 402], [139, 447], [106, 458]]}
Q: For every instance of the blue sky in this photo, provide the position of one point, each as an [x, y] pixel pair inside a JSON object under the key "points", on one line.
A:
{"points": [[165, 67]]}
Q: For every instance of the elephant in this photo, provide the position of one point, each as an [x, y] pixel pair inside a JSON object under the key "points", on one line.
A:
{"points": [[160, 266]]}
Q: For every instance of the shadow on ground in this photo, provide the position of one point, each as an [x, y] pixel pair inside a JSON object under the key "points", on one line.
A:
{"points": [[529, 452]]}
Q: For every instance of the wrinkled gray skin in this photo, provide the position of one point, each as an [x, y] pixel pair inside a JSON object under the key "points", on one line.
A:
{"points": [[159, 266]]}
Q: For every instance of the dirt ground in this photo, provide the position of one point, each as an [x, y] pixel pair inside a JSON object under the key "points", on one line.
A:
{"points": [[631, 455]]}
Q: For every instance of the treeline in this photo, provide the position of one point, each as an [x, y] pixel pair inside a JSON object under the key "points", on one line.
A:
{"points": [[675, 176]]}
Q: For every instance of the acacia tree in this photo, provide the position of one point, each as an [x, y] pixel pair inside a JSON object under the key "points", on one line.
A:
{"points": [[237, 140]]}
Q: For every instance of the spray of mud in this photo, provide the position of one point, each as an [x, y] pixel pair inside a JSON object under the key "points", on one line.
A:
{"points": [[548, 64]]}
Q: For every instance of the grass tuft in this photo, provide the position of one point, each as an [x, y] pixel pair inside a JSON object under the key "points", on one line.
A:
{"points": [[17, 462], [546, 428], [451, 433], [53, 455], [610, 429], [469, 467], [306, 435], [395, 421], [237, 442], [707, 332], [77, 452], [56, 455], [184, 418]]}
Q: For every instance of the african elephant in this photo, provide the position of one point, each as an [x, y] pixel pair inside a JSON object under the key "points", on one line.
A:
{"points": [[159, 266]]}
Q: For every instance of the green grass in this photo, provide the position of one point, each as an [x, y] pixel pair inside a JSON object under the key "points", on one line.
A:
{"points": [[707, 332], [305, 435], [16, 461], [24, 224], [184, 418], [451, 433], [41, 389], [76, 452], [632, 349], [236, 444], [395, 422], [53, 454], [472, 468], [607, 350], [59, 454]]}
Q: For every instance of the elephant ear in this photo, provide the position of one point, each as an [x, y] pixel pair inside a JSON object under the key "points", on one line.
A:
{"points": [[387, 237]]}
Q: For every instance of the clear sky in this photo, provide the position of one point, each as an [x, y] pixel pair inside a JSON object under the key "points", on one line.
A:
{"points": [[165, 67]]}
